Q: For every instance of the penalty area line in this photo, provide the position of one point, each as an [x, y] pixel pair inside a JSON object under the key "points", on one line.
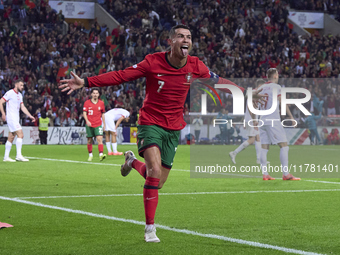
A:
{"points": [[183, 231]]}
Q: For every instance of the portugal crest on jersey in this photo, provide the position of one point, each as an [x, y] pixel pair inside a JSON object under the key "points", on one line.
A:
{"points": [[188, 77]]}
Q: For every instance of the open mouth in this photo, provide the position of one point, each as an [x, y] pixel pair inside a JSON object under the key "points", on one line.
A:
{"points": [[185, 49]]}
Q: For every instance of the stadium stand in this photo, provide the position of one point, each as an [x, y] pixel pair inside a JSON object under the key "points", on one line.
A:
{"points": [[228, 37]]}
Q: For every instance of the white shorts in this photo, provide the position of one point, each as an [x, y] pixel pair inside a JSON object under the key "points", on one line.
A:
{"points": [[110, 125], [13, 126], [251, 131], [272, 135]]}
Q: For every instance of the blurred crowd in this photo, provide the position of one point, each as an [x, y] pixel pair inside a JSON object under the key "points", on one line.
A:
{"points": [[328, 6], [227, 36]]}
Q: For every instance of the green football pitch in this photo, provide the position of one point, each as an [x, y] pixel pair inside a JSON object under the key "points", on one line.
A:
{"points": [[59, 203]]}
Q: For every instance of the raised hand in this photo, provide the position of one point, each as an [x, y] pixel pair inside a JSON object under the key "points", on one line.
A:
{"points": [[259, 98], [71, 84]]}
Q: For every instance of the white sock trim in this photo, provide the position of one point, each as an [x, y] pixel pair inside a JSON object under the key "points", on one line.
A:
{"points": [[284, 159], [19, 146], [108, 146], [8, 147], [114, 147], [264, 161], [258, 150]]}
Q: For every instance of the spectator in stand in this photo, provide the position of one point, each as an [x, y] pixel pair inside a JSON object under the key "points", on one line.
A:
{"points": [[73, 119], [81, 121], [64, 120], [331, 105], [51, 117], [37, 52], [119, 102], [333, 137]]}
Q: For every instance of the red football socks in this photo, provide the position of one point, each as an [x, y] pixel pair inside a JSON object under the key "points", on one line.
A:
{"points": [[100, 148], [89, 148], [150, 194], [140, 167]]}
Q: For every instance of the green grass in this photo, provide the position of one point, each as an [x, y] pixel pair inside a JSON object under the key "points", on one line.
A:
{"points": [[307, 221]]}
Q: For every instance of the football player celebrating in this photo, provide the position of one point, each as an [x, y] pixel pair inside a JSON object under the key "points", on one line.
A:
{"points": [[168, 79]]}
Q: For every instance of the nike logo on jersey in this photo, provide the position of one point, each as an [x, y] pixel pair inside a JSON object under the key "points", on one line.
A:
{"points": [[149, 198], [159, 75]]}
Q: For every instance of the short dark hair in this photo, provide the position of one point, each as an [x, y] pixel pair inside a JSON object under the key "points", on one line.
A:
{"points": [[93, 89], [271, 72], [18, 80], [173, 29], [259, 82], [43, 114]]}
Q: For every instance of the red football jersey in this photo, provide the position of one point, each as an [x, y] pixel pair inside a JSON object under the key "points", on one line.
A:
{"points": [[94, 112], [166, 87]]}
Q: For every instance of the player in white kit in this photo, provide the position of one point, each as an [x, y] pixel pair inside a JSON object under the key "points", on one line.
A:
{"points": [[113, 118], [252, 132], [13, 100], [272, 132]]}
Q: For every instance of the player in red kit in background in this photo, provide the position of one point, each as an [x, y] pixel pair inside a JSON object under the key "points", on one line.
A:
{"points": [[168, 79], [94, 115]]}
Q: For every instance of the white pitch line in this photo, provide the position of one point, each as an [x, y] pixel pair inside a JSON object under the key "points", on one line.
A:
{"points": [[183, 170], [183, 231], [323, 182], [106, 164], [328, 149], [89, 163], [189, 193], [74, 161]]}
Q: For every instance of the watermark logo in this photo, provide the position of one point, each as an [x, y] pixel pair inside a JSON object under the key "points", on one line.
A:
{"points": [[204, 97], [238, 100]]}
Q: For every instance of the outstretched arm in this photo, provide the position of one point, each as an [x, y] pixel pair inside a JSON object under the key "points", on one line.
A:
{"points": [[209, 78], [318, 116], [108, 79], [256, 96], [72, 84]]}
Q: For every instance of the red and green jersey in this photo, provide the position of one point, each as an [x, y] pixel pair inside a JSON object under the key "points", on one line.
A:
{"points": [[94, 112], [166, 87]]}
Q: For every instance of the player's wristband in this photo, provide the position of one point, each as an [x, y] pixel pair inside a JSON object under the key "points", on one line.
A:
{"points": [[86, 82]]}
